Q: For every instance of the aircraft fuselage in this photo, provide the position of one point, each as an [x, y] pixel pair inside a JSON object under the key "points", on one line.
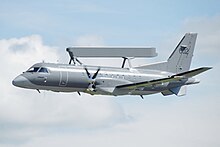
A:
{"points": [[71, 78]]}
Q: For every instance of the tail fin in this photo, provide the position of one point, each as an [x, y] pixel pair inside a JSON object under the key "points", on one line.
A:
{"points": [[180, 60]]}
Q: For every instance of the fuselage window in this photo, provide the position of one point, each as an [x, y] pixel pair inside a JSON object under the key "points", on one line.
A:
{"points": [[44, 70], [33, 69], [134, 77]]}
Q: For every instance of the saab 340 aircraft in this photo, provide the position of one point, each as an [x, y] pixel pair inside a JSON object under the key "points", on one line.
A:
{"points": [[168, 77]]}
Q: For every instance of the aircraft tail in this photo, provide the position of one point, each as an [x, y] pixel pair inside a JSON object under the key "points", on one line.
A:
{"points": [[180, 60]]}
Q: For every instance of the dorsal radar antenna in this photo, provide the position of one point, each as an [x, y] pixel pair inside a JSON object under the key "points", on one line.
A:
{"points": [[110, 52], [129, 62], [74, 59]]}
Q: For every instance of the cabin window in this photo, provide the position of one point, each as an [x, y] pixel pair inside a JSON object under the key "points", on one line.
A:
{"points": [[134, 77], [33, 69], [44, 70]]}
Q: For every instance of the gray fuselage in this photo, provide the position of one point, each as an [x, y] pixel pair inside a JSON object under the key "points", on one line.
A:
{"points": [[71, 78]]}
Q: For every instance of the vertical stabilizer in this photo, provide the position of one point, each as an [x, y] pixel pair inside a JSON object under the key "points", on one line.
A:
{"points": [[180, 60]]}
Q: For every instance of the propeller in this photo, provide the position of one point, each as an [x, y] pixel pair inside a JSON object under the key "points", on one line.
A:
{"points": [[91, 86]]}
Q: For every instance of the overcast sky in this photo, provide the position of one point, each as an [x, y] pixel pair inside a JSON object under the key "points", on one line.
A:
{"points": [[33, 31]]}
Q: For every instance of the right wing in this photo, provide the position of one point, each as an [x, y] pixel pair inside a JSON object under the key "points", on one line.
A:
{"points": [[174, 78], [192, 73], [148, 83]]}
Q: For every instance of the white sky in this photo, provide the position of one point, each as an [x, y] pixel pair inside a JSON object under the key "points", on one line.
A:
{"points": [[36, 31]]}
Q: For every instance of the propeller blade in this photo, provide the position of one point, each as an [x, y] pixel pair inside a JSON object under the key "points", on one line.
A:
{"points": [[78, 61], [95, 75], [92, 83], [87, 72]]}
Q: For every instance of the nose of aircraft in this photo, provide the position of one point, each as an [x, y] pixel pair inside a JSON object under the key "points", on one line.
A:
{"points": [[20, 81]]}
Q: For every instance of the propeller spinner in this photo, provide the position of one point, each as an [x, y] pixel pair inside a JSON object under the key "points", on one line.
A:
{"points": [[92, 84]]}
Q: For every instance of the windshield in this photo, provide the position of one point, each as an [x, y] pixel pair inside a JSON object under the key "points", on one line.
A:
{"points": [[43, 69], [33, 69], [38, 69]]}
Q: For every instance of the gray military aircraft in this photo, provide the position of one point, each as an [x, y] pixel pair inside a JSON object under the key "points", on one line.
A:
{"points": [[168, 77]]}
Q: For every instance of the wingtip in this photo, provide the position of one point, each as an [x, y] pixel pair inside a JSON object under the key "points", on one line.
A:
{"points": [[208, 68]]}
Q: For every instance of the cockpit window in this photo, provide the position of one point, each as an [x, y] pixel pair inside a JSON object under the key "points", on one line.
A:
{"points": [[42, 69], [33, 69]]}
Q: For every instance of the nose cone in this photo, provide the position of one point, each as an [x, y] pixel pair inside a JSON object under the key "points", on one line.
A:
{"points": [[20, 81]]}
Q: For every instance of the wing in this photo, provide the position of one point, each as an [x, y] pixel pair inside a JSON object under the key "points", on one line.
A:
{"points": [[194, 72], [174, 78], [148, 83]]}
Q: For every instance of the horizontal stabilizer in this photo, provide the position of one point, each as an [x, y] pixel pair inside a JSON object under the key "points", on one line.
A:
{"points": [[179, 91], [167, 92]]}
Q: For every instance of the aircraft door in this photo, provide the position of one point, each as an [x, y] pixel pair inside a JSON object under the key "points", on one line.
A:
{"points": [[63, 76]]}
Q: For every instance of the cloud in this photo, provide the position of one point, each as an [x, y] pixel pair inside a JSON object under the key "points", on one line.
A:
{"points": [[178, 123], [208, 35], [57, 119], [207, 43], [25, 114]]}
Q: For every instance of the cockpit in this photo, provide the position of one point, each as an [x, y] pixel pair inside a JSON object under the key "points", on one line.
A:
{"points": [[38, 69]]}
